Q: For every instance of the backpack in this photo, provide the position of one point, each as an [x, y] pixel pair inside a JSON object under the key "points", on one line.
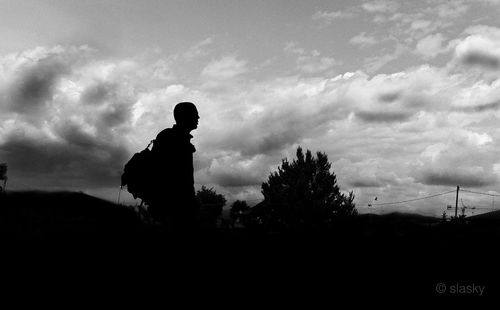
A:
{"points": [[137, 174]]}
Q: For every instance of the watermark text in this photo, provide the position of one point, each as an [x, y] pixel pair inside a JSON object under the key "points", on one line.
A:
{"points": [[458, 288]]}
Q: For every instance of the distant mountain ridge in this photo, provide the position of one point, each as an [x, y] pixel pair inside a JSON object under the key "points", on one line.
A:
{"points": [[39, 214], [493, 215]]}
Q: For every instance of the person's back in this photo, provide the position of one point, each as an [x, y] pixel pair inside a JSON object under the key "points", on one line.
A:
{"points": [[173, 201], [174, 157]]}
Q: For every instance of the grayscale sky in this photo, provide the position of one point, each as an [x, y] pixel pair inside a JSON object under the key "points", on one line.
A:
{"points": [[403, 96]]}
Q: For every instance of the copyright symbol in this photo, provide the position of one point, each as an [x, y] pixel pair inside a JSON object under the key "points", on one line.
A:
{"points": [[441, 288]]}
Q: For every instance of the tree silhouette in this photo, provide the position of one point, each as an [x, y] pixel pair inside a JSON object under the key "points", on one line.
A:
{"points": [[304, 194], [237, 209], [211, 205], [443, 217]]}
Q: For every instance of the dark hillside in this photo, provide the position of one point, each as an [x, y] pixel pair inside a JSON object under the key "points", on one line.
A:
{"points": [[36, 215], [488, 216]]}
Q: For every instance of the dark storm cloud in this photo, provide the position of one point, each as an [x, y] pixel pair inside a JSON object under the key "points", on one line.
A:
{"points": [[73, 135], [76, 162], [271, 142], [483, 107], [265, 135], [365, 183], [76, 144], [281, 127], [451, 178], [115, 115], [389, 97], [117, 108], [482, 59], [383, 117], [234, 180], [97, 93], [35, 85]]}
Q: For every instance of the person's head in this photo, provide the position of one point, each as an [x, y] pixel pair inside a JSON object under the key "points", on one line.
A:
{"points": [[186, 115]]}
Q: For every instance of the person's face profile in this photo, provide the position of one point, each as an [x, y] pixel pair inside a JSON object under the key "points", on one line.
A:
{"points": [[194, 119], [186, 116], [191, 119]]}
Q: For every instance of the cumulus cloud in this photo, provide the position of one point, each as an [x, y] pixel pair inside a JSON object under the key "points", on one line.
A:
{"points": [[491, 2], [309, 62], [284, 111], [234, 171], [452, 9], [291, 47], [61, 128], [420, 24], [225, 68], [30, 78], [480, 48], [410, 23], [326, 17], [374, 63], [363, 40], [431, 46], [315, 64], [465, 160], [368, 173], [397, 97], [198, 49], [380, 6]]}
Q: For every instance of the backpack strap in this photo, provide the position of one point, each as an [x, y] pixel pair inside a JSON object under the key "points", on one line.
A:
{"points": [[151, 142]]}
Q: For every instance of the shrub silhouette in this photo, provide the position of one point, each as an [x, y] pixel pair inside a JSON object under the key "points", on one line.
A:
{"points": [[211, 205], [303, 194]]}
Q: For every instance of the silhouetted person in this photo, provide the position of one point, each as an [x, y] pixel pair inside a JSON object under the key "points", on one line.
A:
{"points": [[174, 202]]}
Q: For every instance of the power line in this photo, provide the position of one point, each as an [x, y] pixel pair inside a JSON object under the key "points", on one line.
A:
{"points": [[414, 199], [480, 208], [479, 193]]}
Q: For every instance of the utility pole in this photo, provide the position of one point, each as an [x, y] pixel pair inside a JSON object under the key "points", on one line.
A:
{"points": [[456, 202]]}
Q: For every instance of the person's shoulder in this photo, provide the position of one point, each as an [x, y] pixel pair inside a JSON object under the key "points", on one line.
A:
{"points": [[165, 134]]}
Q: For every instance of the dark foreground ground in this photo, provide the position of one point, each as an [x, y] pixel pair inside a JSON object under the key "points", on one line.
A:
{"points": [[75, 240]]}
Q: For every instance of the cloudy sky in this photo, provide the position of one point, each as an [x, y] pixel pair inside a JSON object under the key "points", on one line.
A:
{"points": [[403, 96]]}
